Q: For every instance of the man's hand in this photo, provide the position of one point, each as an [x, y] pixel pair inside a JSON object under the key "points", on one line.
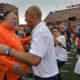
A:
{"points": [[18, 69], [3, 49]]}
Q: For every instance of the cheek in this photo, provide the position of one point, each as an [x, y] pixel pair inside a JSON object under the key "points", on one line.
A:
{"points": [[26, 20], [29, 21], [54, 33]]}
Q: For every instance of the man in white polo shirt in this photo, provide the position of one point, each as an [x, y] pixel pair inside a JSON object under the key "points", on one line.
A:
{"points": [[42, 53]]}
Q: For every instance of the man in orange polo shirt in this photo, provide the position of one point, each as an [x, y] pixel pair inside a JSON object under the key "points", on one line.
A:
{"points": [[9, 65]]}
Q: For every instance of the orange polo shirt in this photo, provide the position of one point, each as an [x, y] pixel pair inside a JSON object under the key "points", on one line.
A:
{"points": [[8, 37]]}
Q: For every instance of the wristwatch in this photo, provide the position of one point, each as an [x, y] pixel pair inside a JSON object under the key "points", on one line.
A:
{"points": [[8, 51]]}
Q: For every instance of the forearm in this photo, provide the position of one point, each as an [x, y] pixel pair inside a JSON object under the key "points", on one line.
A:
{"points": [[71, 29], [26, 58], [25, 40]]}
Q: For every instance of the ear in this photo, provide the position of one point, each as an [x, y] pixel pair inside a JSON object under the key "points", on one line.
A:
{"points": [[33, 16]]}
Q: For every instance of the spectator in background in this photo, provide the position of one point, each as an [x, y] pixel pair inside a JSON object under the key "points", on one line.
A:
{"points": [[75, 32], [72, 29], [20, 33], [78, 46], [60, 41], [28, 31], [16, 31], [42, 53], [13, 68], [62, 30], [68, 39]]}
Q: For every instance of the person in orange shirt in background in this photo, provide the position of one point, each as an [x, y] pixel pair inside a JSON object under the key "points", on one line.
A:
{"points": [[62, 29], [78, 46], [61, 26], [13, 68]]}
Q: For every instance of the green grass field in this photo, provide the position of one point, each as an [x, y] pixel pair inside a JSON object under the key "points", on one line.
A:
{"points": [[67, 71]]}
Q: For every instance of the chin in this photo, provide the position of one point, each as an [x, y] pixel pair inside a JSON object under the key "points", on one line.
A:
{"points": [[29, 26]]}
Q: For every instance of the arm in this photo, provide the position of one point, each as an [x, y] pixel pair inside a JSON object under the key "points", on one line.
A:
{"points": [[56, 41], [71, 29], [27, 58], [60, 42], [37, 51], [25, 40]]}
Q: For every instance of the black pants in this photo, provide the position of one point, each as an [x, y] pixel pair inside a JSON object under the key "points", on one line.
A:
{"points": [[50, 78], [20, 78], [60, 64], [78, 50], [5, 78], [68, 44]]}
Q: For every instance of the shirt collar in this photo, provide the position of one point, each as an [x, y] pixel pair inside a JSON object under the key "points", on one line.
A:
{"points": [[41, 23], [7, 27]]}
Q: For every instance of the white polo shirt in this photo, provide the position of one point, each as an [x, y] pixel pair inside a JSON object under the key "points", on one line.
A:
{"points": [[61, 53], [43, 45]]}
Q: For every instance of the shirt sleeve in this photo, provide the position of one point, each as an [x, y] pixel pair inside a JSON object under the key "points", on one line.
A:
{"points": [[39, 44], [25, 40]]}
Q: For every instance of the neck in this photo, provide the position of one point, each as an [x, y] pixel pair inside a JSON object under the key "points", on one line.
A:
{"points": [[6, 23], [36, 22]]}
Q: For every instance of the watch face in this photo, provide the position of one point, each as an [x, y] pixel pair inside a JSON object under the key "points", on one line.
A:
{"points": [[8, 51]]}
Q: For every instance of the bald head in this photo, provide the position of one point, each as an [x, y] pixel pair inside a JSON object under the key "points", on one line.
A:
{"points": [[34, 10], [33, 16]]}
